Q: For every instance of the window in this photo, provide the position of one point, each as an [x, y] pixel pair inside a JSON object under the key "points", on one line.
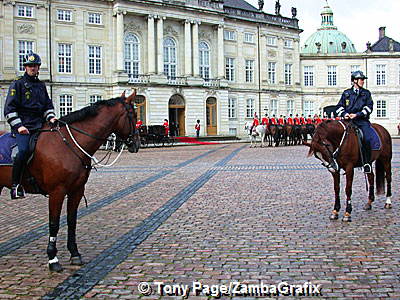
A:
{"points": [[288, 43], [248, 37], [64, 15], [381, 109], [288, 74], [132, 55], [25, 11], [231, 108], [230, 69], [94, 98], [232, 131], [331, 75], [355, 68], [64, 58], [95, 60], [24, 47], [272, 72], [274, 107], [94, 18], [308, 76], [271, 40], [170, 58], [290, 107], [249, 108], [308, 108], [229, 35], [65, 104], [204, 60], [249, 70], [380, 74]]}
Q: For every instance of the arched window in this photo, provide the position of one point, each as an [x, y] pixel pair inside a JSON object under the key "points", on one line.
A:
{"points": [[170, 58], [132, 55], [204, 60]]}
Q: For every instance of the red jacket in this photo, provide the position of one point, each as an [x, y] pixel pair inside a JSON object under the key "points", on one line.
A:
{"points": [[138, 124], [302, 121], [290, 121], [318, 121], [281, 121], [273, 121], [296, 121], [264, 121], [166, 126], [309, 121], [197, 126], [256, 122]]}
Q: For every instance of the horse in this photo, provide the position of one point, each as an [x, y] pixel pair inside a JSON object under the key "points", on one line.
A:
{"points": [[61, 167], [260, 130], [338, 139]]}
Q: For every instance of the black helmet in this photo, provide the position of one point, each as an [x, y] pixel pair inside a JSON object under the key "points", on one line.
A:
{"points": [[32, 59], [358, 75]]}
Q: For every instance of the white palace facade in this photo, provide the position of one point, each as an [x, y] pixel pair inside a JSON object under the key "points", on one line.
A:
{"points": [[213, 60]]}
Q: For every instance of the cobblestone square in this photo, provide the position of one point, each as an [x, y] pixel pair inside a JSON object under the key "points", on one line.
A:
{"points": [[209, 214]]}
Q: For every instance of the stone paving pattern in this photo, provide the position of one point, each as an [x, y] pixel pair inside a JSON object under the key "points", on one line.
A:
{"points": [[264, 216]]}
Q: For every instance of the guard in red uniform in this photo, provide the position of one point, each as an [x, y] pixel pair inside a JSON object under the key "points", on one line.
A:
{"points": [[166, 126], [139, 124], [256, 122], [296, 120], [281, 120], [265, 120], [309, 120], [302, 120], [318, 120], [290, 120], [273, 120]]}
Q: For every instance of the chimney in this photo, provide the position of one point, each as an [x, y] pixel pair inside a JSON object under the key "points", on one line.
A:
{"points": [[382, 32]]}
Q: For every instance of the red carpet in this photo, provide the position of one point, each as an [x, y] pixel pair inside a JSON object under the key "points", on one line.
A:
{"points": [[192, 140]]}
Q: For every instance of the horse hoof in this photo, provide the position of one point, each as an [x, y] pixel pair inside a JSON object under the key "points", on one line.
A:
{"points": [[368, 207], [55, 267], [388, 206], [346, 219], [333, 217], [76, 261]]}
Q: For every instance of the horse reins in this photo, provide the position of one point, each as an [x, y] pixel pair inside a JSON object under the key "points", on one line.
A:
{"points": [[92, 157]]}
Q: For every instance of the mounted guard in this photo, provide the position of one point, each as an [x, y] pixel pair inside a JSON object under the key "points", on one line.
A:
{"points": [[27, 107]]}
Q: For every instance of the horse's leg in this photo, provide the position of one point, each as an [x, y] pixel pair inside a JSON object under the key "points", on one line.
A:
{"points": [[371, 195], [388, 175], [56, 200], [72, 210], [349, 184], [336, 185]]}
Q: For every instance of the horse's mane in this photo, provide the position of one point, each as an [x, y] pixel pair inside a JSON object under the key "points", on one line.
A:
{"points": [[88, 111]]}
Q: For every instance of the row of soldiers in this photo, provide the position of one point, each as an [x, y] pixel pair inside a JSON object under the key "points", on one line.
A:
{"points": [[297, 120]]}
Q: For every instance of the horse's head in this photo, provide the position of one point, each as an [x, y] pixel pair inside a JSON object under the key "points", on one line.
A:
{"points": [[325, 142], [126, 125]]}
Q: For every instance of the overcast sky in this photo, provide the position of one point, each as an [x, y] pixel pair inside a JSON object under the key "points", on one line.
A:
{"points": [[358, 19]]}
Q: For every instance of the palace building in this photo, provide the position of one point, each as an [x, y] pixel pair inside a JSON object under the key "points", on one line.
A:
{"points": [[218, 61]]}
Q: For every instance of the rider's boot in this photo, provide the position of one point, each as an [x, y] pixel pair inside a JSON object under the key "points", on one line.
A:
{"points": [[367, 158], [17, 191], [333, 167]]}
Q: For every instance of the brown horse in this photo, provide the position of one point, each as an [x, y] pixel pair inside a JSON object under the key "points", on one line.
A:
{"points": [[61, 168], [338, 138]]}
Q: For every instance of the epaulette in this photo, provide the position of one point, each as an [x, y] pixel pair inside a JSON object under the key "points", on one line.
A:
{"points": [[18, 78]]}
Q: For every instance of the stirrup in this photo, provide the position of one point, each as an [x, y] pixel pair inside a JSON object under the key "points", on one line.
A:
{"points": [[17, 192], [333, 167], [367, 168]]}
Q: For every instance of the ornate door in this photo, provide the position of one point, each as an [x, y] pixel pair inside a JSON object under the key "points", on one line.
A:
{"points": [[211, 115]]}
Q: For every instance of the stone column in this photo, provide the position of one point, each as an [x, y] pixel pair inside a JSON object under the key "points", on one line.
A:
{"points": [[120, 40], [8, 40], [220, 52], [150, 45], [196, 71], [188, 49], [160, 45]]}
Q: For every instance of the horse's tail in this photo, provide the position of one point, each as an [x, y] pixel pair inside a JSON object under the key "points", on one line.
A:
{"points": [[380, 177]]}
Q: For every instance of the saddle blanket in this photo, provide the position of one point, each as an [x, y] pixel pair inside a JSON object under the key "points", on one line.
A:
{"points": [[7, 143]]}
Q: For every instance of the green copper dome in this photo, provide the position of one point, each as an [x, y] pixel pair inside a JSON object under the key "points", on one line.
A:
{"points": [[328, 39]]}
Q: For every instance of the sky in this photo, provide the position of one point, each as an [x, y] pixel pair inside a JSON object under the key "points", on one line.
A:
{"points": [[359, 20]]}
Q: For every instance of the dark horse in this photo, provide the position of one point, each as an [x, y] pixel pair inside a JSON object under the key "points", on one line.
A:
{"points": [[61, 169], [339, 138]]}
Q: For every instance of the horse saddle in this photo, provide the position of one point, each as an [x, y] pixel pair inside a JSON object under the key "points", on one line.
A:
{"points": [[9, 149], [373, 137]]}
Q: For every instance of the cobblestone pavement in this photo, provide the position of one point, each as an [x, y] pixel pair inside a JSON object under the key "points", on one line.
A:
{"points": [[210, 214]]}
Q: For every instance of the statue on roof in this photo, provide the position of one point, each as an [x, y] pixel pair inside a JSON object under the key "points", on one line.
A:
{"points": [[294, 12], [277, 8], [260, 4]]}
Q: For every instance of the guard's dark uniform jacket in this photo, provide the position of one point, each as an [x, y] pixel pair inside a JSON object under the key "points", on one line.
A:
{"points": [[28, 104], [361, 105]]}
